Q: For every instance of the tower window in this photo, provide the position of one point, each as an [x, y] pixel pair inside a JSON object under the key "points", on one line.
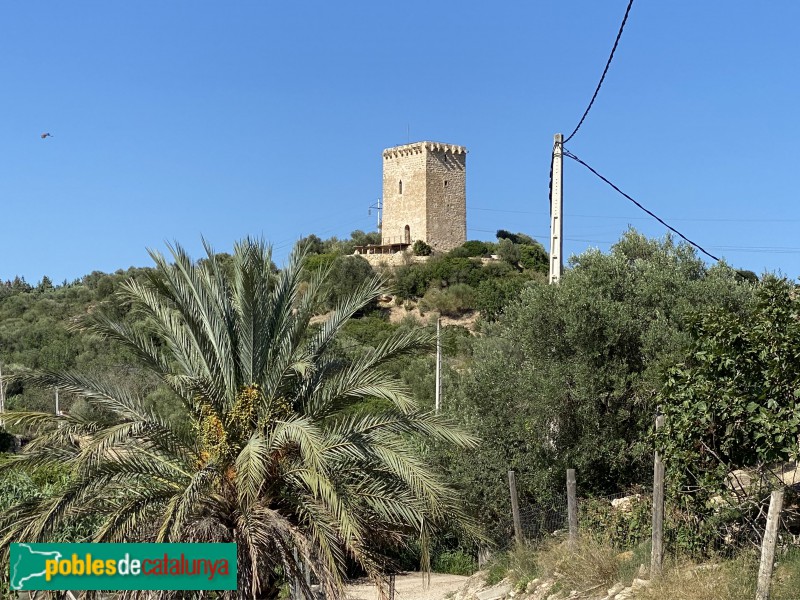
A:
{"points": [[401, 186], [445, 183]]}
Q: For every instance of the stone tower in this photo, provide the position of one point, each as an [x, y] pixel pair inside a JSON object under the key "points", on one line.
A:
{"points": [[425, 195]]}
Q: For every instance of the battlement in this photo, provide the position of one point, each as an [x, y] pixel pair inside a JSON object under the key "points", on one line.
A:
{"points": [[419, 147]]}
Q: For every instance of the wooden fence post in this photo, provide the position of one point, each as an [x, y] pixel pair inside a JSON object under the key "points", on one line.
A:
{"points": [[657, 545], [512, 486], [768, 545], [572, 505]]}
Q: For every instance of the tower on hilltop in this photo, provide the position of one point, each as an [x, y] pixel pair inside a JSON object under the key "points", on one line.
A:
{"points": [[425, 195]]}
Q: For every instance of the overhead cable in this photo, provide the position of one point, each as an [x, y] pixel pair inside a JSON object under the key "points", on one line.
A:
{"points": [[656, 217], [603, 76]]}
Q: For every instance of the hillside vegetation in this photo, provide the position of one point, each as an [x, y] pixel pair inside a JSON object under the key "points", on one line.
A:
{"points": [[549, 377]]}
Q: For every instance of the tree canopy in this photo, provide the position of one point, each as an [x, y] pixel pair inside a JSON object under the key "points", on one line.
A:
{"points": [[569, 376]]}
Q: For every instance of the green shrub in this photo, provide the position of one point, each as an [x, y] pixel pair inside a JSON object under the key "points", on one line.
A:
{"points": [[455, 562], [315, 262], [459, 252], [509, 252], [448, 270], [516, 238], [534, 257], [493, 295], [411, 281], [420, 248], [474, 248], [624, 526], [371, 330], [498, 568], [347, 274], [452, 301]]}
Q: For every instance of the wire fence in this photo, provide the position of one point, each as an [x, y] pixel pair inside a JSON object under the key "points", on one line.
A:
{"points": [[732, 519]]}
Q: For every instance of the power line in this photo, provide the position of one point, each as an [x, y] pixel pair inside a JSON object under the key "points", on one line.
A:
{"points": [[656, 217], [631, 218], [602, 77]]}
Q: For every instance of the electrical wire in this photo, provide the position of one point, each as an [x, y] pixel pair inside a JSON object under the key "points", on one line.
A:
{"points": [[631, 218], [652, 214], [600, 83]]}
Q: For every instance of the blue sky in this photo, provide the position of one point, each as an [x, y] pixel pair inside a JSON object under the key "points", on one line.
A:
{"points": [[172, 120]]}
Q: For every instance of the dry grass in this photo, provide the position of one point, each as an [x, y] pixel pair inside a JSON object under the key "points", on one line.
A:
{"points": [[589, 566], [581, 566], [732, 580]]}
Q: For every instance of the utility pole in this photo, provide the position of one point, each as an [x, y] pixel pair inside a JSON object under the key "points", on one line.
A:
{"points": [[57, 411], [378, 206], [2, 398], [556, 222], [438, 362]]}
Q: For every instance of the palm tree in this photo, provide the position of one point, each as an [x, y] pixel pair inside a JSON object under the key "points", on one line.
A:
{"points": [[275, 453]]}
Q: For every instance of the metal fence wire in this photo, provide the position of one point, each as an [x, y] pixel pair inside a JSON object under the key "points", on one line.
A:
{"points": [[540, 519]]}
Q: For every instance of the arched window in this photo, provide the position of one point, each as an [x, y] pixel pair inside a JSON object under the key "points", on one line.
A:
{"points": [[407, 235], [401, 186]]}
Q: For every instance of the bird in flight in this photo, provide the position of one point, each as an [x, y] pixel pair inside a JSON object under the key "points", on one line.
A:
{"points": [[46, 135]]}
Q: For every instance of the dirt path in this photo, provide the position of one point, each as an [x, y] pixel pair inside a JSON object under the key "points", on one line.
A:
{"points": [[410, 586]]}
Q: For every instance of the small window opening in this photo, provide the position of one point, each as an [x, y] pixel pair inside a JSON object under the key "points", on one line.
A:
{"points": [[445, 183], [401, 186], [407, 234]]}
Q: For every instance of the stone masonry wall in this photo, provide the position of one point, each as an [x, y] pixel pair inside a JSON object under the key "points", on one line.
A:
{"points": [[446, 199], [432, 199], [406, 165]]}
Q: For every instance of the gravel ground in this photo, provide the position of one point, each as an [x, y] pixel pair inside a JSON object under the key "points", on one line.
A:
{"points": [[411, 586]]}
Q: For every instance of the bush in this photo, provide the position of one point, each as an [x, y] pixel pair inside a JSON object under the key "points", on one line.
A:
{"points": [[509, 252], [315, 262], [411, 281], [534, 257], [452, 301], [456, 562], [475, 248], [516, 238], [347, 274], [370, 330], [493, 295], [420, 248], [459, 252], [621, 527]]}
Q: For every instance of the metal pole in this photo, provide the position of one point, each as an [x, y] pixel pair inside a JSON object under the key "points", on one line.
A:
{"points": [[438, 363], [58, 412], [556, 222]]}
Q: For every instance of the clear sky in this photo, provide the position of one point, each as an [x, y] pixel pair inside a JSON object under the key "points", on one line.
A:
{"points": [[181, 119]]}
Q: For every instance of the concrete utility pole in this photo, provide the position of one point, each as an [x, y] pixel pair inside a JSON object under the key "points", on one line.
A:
{"points": [[58, 412], [2, 398], [438, 362], [556, 222]]}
